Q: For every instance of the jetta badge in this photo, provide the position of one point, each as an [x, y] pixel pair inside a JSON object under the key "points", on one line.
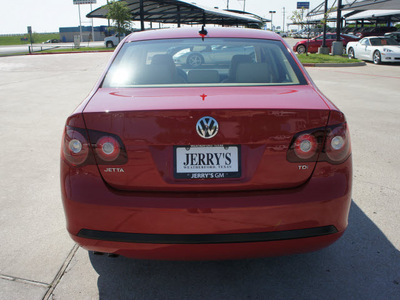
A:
{"points": [[207, 127]]}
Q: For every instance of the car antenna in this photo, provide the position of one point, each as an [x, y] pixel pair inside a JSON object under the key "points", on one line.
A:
{"points": [[203, 32]]}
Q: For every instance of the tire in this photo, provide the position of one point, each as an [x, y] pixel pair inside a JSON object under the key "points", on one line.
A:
{"points": [[109, 44], [377, 57], [351, 54], [194, 60], [301, 49]]}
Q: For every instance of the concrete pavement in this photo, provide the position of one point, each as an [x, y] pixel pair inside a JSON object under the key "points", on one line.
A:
{"points": [[39, 261]]}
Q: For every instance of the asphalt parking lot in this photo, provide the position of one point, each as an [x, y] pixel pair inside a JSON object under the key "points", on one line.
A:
{"points": [[39, 261]]}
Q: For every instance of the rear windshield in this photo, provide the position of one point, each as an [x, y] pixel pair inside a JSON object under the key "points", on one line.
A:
{"points": [[212, 62]]}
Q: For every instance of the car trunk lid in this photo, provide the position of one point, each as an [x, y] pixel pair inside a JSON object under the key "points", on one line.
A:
{"points": [[158, 127]]}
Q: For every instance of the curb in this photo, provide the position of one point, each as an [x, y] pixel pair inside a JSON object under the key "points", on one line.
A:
{"points": [[333, 65], [51, 53]]}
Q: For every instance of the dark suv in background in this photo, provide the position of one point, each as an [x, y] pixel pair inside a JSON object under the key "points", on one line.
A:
{"points": [[394, 35], [372, 31]]}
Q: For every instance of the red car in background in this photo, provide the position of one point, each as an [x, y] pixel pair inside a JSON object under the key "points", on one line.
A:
{"points": [[223, 161], [313, 44]]}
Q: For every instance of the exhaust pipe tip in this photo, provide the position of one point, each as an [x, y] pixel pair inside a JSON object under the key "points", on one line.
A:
{"points": [[113, 255]]}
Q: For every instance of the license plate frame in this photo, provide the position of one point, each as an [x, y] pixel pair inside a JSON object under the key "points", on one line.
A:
{"points": [[207, 162]]}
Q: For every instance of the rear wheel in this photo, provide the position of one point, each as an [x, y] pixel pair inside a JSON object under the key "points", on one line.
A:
{"points": [[301, 49], [377, 57], [109, 44], [194, 60], [351, 54]]}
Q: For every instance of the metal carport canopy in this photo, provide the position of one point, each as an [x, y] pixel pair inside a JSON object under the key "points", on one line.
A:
{"points": [[179, 12], [371, 4], [375, 14], [374, 10], [361, 10], [356, 6]]}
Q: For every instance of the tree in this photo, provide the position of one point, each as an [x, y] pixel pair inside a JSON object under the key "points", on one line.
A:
{"points": [[298, 17], [120, 15]]}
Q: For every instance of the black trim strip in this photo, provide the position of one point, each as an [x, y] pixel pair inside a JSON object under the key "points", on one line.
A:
{"points": [[205, 238]]}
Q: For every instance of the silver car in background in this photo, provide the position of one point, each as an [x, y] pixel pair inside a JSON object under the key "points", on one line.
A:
{"points": [[214, 54]]}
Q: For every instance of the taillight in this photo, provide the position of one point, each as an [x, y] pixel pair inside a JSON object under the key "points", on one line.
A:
{"points": [[108, 149], [75, 146], [337, 145], [331, 144], [305, 146]]}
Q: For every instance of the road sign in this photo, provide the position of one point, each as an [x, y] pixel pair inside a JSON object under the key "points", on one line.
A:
{"points": [[304, 5], [77, 2]]}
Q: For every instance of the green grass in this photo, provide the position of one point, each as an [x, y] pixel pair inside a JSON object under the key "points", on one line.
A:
{"points": [[323, 58], [61, 50], [13, 54], [37, 38]]}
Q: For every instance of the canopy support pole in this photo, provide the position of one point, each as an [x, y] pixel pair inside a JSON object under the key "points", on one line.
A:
{"points": [[179, 16], [339, 20], [325, 21], [142, 15]]}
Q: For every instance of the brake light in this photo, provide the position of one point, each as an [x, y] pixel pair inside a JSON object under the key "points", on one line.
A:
{"points": [[75, 146], [337, 146], [107, 148], [331, 144], [305, 146]]}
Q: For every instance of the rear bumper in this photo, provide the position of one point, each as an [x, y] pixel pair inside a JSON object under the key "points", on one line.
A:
{"points": [[126, 237], [189, 226]]}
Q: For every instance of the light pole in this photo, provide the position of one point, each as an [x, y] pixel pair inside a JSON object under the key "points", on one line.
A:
{"points": [[91, 9], [108, 19], [283, 28], [80, 23], [244, 4], [272, 14]]}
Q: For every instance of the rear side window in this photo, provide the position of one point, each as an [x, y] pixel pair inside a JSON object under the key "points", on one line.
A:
{"points": [[212, 62]]}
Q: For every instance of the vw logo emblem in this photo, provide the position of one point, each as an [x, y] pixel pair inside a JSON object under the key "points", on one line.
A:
{"points": [[207, 127]]}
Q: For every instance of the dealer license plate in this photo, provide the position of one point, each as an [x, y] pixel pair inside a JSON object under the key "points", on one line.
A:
{"points": [[207, 162]]}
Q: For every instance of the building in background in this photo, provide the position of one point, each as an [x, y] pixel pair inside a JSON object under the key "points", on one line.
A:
{"points": [[67, 33]]}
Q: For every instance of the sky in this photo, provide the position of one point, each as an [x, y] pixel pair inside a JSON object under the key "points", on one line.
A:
{"points": [[49, 15]]}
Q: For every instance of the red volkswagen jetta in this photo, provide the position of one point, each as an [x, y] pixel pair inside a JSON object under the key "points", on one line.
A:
{"points": [[225, 160], [313, 44]]}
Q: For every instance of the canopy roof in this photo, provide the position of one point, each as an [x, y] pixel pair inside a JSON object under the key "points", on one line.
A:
{"points": [[180, 12], [375, 14], [360, 10], [318, 17], [372, 4]]}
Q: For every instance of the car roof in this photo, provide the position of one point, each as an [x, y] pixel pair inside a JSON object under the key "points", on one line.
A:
{"points": [[193, 32], [376, 37]]}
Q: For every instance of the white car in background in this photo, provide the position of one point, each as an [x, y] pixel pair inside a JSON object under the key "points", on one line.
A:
{"points": [[375, 48], [281, 33], [113, 40]]}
